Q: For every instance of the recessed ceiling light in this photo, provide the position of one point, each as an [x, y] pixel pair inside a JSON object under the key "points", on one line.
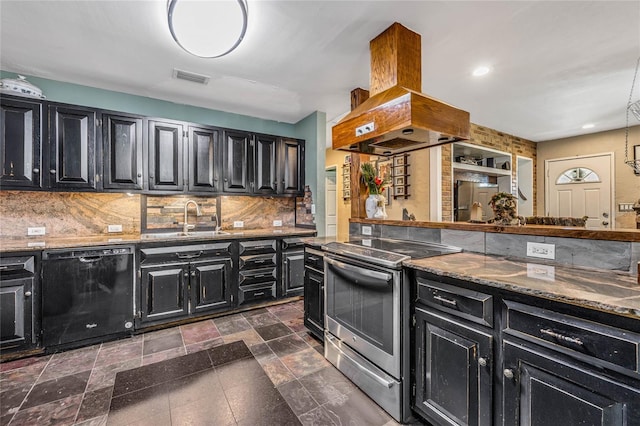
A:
{"points": [[483, 70], [589, 126]]}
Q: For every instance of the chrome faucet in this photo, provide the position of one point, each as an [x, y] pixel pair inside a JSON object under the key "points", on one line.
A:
{"points": [[185, 225]]}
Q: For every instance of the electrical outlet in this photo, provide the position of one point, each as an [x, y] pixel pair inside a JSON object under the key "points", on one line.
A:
{"points": [[313, 209], [277, 223], [366, 230], [541, 250], [238, 224], [114, 228], [38, 230]]}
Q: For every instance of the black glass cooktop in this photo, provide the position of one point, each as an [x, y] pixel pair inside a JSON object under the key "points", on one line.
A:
{"points": [[388, 252]]}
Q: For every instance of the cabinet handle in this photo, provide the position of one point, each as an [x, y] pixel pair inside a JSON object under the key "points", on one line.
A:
{"points": [[445, 300], [193, 273], [482, 362], [259, 293], [258, 276], [139, 175], [508, 373], [313, 259], [52, 171], [27, 294], [36, 170], [562, 337]]}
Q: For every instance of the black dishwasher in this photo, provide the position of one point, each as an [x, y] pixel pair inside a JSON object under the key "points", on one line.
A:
{"points": [[87, 294]]}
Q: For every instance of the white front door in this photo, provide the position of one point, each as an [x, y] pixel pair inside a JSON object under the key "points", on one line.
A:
{"points": [[331, 221], [581, 186]]}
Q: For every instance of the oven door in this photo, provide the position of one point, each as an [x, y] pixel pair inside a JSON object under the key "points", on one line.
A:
{"points": [[363, 309]]}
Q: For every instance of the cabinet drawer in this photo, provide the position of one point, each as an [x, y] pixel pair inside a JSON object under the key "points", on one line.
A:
{"points": [[256, 292], [255, 247], [314, 259], [461, 302], [573, 335], [253, 276], [257, 261]]}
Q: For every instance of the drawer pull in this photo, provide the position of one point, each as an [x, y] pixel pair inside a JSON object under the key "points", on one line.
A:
{"points": [[260, 293], [313, 258], [508, 373], [445, 300], [258, 276], [559, 336], [482, 362]]}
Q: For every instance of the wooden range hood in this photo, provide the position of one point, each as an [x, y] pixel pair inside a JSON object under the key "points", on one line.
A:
{"points": [[397, 117]]}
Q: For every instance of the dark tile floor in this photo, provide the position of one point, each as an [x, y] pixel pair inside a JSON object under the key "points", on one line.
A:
{"points": [[255, 368]]}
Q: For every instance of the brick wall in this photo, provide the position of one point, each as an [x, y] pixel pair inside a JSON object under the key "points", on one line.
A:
{"points": [[489, 138]]}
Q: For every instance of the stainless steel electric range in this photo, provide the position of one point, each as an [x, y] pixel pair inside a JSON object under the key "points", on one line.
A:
{"points": [[367, 315]]}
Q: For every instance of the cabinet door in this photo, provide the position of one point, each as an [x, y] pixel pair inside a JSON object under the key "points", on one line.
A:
{"points": [[164, 293], [542, 389], [314, 302], [20, 154], [72, 147], [165, 156], [237, 156], [293, 273], [16, 322], [204, 159], [453, 371], [291, 166], [122, 148], [211, 286], [264, 167]]}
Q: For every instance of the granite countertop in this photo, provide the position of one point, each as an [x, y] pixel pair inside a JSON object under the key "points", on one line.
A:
{"points": [[608, 291], [318, 242], [39, 243]]}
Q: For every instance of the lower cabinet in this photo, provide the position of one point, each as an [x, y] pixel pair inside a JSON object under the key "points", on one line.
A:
{"points": [[541, 388], [18, 306], [258, 275], [486, 356], [293, 273], [453, 371], [314, 292]]}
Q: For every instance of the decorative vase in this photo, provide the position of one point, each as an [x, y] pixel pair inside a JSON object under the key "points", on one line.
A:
{"points": [[370, 205]]}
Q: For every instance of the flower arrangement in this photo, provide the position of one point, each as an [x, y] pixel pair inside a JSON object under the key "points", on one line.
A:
{"points": [[374, 182]]}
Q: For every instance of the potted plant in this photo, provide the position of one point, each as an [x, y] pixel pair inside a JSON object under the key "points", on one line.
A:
{"points": [[374, 205]]}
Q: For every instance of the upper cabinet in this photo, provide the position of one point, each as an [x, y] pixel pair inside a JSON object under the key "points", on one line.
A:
{"points": [[291, 166], [122, 151], [237, 158], [166, 155], [48, 145], [204, 159], [72, 147], [20, 143]]}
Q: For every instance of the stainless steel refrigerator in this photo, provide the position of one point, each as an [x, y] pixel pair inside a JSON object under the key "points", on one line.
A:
{"points": [[466, 193]]}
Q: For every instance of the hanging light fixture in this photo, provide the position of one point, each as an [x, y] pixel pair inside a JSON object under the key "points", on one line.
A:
{"points": [[207, 28], [633, 108]]}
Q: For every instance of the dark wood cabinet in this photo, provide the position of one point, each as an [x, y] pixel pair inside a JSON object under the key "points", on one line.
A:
{"points": [[237, 159], [314, 292], [19, 311], [166, 155], [211, 286], [453, 376], [265, 165], [20, 143], [122, 151], [541, 388], [164, 293], [293, 273], [291, 166], [72, 147], [204, 159], [258, 273]]}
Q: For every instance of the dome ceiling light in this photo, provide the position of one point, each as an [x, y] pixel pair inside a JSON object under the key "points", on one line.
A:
{"points": [[207, 28]]}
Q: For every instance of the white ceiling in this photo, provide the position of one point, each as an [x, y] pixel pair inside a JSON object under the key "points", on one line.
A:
{"points": [[556, 64]]}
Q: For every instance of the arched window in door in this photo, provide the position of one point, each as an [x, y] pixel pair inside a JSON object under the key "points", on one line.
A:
{"points": [[577, 175]]}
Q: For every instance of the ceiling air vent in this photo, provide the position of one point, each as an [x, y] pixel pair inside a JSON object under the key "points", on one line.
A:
{"points": [[190, 76]]}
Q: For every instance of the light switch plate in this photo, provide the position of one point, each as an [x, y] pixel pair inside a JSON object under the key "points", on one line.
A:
{"points": [[277, 223], [238, 224], [37, 230], [114, 228], [541, 250]]}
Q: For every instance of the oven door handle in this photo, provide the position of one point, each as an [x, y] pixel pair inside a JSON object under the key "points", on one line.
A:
{"points": [[353, 272]]}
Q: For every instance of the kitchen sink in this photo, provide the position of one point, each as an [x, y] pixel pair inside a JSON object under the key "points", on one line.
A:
{"points": [[179, 234]]}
